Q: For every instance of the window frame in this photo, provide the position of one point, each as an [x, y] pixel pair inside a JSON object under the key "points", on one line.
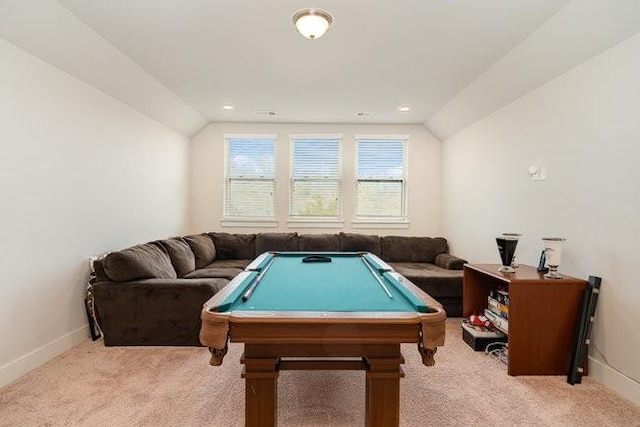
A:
{"points": [[304, 221], [248, 221], [401, 221]]}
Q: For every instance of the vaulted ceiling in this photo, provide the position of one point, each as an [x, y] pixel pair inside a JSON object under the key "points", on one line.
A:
{"points": [[451, 61]]}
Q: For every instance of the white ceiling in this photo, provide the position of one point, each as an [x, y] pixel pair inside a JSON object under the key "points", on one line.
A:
{"points": [[452, 61], [377, 55]]}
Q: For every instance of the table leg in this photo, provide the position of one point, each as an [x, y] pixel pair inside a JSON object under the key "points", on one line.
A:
{"points": [[261, 391], [383, 392]]}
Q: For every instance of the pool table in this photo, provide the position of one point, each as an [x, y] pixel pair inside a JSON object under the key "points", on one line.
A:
{"points": [[322, 311]]}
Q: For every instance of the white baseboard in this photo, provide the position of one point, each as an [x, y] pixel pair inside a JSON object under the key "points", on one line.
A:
{"points": [[616, 381], [14, 370]]}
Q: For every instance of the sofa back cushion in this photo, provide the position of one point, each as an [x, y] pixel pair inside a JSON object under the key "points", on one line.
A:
{"points": [[181, 255], [266, 242], [319, 242], [145, 261], [234, 246], [353, 242], [203, 249], [412, 249]]}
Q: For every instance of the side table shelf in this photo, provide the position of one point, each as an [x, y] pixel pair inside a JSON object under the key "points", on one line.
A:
{"points": [[542, 315]]}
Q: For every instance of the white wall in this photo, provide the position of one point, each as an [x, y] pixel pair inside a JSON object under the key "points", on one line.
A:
{"points": [[424, 175], [584, 126], [80, 174]]}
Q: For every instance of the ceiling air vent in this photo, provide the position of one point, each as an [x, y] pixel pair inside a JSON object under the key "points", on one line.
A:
{"points": [[264, 113], [368, 113]]}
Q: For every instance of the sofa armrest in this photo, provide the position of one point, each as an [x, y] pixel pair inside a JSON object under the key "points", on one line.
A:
{"points": [[153, 311], [449, 262]]}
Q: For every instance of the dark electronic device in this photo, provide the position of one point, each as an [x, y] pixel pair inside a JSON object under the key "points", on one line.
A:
{"points": [[583, 330], [543, 261]]}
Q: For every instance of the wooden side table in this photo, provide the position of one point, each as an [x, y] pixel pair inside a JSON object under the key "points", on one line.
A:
{"points": [[542, 315]]}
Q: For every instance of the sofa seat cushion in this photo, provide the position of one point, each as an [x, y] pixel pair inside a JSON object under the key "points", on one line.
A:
{"points": [[285, 242], [203, 249], [230, 263], [234, 246], [412, 249], [144, 261], [434, 280], [319, 242], [222, 272], [181, 255], [354, 242]]}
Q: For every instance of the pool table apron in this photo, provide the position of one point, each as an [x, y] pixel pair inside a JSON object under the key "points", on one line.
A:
{"points": [[427, 329]]}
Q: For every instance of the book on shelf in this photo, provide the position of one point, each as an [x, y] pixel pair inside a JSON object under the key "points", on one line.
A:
{"points": [[498, 308], [498, 321], [500, 295]]}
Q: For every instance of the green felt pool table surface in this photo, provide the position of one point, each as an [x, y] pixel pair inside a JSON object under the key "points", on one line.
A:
{"points": [[345, 284]]}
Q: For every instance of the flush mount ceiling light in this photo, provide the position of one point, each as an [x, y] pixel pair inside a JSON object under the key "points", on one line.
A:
{"points": [[227, 107], [404, 108], [312, 23]]}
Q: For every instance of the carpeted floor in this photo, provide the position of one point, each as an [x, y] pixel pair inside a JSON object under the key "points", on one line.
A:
{"points": [[94, 385]]}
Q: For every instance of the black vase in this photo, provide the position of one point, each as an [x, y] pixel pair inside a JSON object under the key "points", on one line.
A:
{"points": [[507, 248]]}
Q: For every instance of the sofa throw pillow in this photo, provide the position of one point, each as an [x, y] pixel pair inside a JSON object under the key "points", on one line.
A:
{"points": [[144, 261], [182, 257], [412, 249], [319, 242], [96, 269], [234, 246], [284, 242], [203, 249], [353, 242]]}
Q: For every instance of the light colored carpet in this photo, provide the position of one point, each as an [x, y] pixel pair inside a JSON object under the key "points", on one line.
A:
{"points": [[94, 385]]}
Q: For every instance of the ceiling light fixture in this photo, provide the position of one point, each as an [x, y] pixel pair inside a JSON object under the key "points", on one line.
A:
{"points": [[404, 108], [227, 107], [312, 23]]}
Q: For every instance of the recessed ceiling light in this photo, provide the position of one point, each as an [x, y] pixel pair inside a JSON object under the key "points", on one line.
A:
{"points": [[404, 108], [227, 107]]}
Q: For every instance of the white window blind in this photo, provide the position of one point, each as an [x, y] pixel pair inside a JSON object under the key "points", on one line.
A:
{"points": [[380, 182], [315, 182], [250, 183]]}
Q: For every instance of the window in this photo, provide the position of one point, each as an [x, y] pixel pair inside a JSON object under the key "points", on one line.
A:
{"points": [[250, 180], [315, 177], [380, 178]]}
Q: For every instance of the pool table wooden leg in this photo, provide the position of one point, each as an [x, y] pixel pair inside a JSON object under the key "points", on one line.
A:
{"points": [[383, 392], [261, 391]]}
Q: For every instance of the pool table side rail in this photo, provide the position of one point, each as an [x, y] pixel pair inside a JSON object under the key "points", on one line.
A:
{"points": [[263, 259]]}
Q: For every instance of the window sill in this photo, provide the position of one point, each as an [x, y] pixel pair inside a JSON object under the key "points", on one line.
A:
{"points": [[315, 223], [379, 224], [249, 222]]}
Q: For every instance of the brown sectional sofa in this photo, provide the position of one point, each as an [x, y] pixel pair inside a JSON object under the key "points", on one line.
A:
{"points": [[152, 294]]}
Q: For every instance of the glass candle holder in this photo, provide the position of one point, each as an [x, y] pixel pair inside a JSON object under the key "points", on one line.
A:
{"points": [[506, 248], [553, 252]]}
